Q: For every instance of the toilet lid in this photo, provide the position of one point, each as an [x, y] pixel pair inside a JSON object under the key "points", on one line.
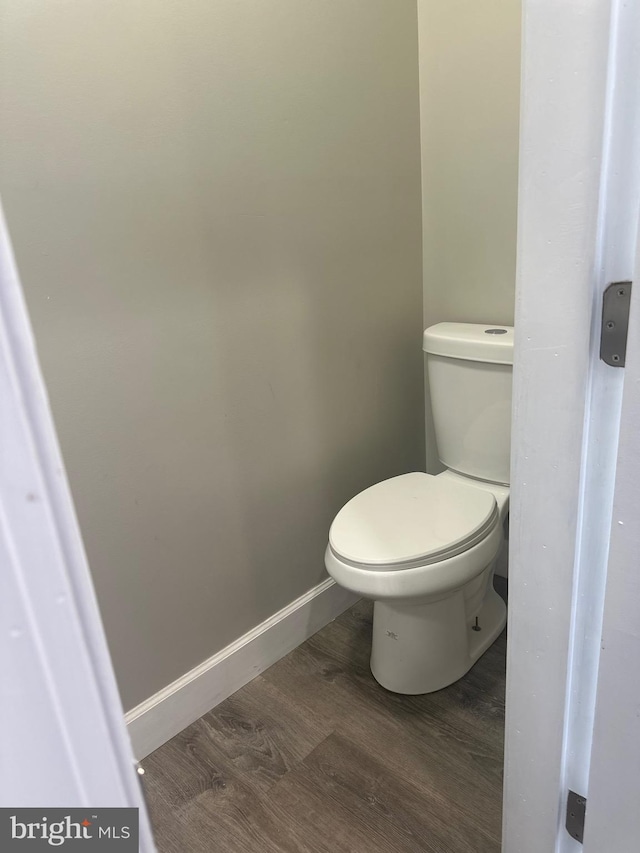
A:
{"points": [[413, 519]]}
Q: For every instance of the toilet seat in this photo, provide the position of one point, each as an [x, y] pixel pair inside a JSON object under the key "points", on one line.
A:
{"points": [[412, 520]]}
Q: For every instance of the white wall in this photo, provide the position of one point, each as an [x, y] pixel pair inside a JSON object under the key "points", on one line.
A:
{"points": [[469, 102], [215, 207]]}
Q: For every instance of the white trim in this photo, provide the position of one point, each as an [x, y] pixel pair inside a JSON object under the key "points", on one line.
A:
{"points": [[176, 706], [613, 818], [563, 126], [617, 236]]}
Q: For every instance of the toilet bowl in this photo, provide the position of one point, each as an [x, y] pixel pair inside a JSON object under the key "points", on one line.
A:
{"points": [[424, 547]]}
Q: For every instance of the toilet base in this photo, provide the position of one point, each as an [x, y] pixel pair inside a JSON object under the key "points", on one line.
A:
{"points": [[425, 647]]}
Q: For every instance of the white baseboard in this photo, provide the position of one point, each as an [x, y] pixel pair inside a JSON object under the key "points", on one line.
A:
{"points": [[173, 708]]}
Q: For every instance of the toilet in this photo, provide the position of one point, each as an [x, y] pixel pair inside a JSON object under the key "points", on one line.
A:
{"points": [[424, 547]]}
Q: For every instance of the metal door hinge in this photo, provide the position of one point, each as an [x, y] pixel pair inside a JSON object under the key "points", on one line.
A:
{"points": [[576, 810], [615, 323]]}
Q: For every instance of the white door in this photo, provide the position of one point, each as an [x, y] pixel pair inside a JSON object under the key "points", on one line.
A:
{"points": [[613, 796], [573, 643]]}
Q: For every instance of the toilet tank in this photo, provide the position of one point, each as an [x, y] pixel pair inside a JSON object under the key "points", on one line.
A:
{"points": [[469, 368]]}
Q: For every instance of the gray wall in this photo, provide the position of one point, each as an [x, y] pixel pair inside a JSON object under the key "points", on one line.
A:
{"points": [[216, 212], [469, 104]]}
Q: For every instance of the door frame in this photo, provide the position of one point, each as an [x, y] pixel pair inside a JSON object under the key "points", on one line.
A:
{"points": [[613, 818], [577, 209]]}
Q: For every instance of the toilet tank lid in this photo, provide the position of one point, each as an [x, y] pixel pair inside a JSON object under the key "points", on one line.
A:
{"points": [[470, 342]]}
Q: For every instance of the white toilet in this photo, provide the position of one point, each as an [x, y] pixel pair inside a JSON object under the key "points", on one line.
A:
{"points": [[424, 547]]}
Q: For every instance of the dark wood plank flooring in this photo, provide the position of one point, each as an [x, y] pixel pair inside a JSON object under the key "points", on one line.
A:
{"points": [[314, 756]]}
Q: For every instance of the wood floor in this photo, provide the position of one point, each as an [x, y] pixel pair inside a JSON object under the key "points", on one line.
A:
{"points": [[314, 757]]}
